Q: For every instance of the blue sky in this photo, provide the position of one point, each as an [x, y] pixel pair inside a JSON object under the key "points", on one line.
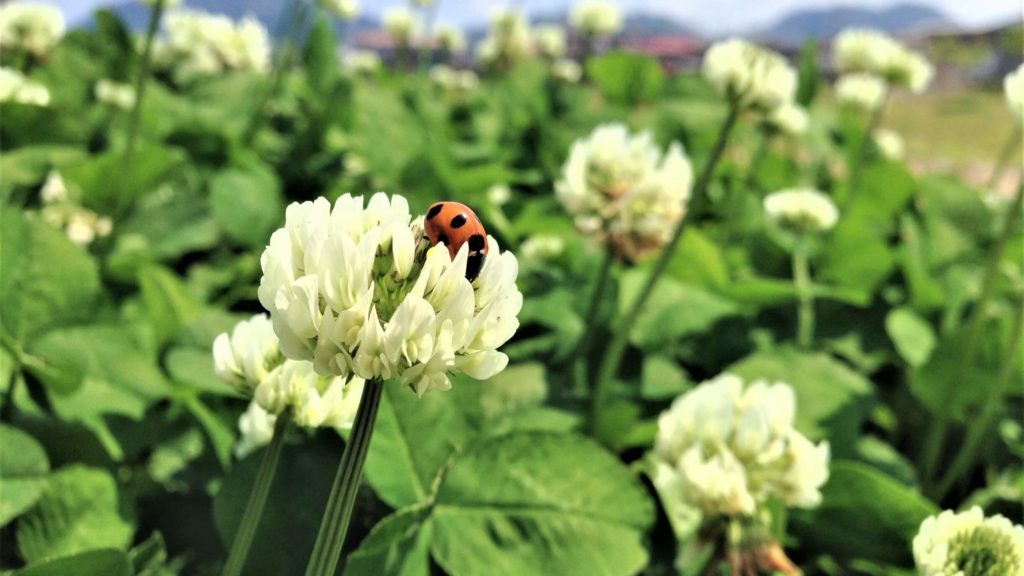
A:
{"points": [[709, 16]]}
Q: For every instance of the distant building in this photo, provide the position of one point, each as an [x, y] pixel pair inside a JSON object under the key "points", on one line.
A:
{"points": [[675, 52]]}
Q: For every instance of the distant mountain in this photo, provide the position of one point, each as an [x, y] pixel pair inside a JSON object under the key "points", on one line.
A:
{"points": [[825, 23], [652, 24]]}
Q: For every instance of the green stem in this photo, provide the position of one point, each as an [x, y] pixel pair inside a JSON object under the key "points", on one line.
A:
{"points": [[282, 61], [590, 322], [620, 335], [141, 75], [1005, 154], [758, 158], [257, 500], [804, 292], [331, 538], [939, 428], [976, 432], [865, 144]]}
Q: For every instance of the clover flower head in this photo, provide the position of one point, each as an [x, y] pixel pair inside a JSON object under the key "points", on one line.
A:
{"points": [[623, 191], [255, 429], [1013, 86], [969, 544], [874, 52], [450, 39], [550, 41], [15, 87], [54, 188], [731, 448], [201, 44], [312, 399], [508, 40], [801, 210], [362, 62], [596, 18], [357, 291], [61, 210], [344, 9], [454, 83], [790, 118], [862, 90], [541, 247], [890, 143], [401, 25], [566, 70], [115, 94], [34, 28], [499, 194], [751, 76], [244, 358]]}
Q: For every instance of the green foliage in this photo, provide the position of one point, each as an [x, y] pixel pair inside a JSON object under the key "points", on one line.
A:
{"points": [[626, 78], [102, 562], [24, 469]]}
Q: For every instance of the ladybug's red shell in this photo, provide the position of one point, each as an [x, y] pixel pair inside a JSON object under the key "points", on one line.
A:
{"points": [[455, 224]]}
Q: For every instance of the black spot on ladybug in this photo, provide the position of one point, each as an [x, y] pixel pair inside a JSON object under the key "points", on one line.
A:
{"points": [[459, 221], [435, 210], [442, 237], [473, 265], [476, 242]]}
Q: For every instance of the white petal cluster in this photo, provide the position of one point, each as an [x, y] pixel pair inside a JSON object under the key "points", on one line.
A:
{"points": [[566, 70], [245, 357], [862, 90], [401, 25], [541, 247], [890, 144], [313, 399], [969, 544], [749, 75], [362, 62], [508, 40], [596, 18], [454, 83], [200, 44], [255, 429], [874, 52], [801, 210], [62, 210], [1013, 86], [115, 94], [351, 289], [34, 28], [549, 41], [450, 39], [344, 9], [790, 118], [622, 190], [733, 448], [15, 87]]}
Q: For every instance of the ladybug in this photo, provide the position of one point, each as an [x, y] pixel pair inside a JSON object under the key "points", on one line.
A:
{"points": [[456, 224]]}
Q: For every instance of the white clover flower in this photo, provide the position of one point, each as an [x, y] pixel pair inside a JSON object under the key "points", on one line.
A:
{"points": [[54, 189], [596, 18], [202, 44], [790, 118], [566, 70], [550, 41], [115, 94], [541, 247], [622, 190], [969, 544], [362, 62], [733, 449], [15, 87], [750, 75], [874, 52], [890, 144], [455, 83], [862, 90], [312, 399], [401, 25], [34, 28], [450, 39], [1013, 86], [499, 194], [349, 289], [508, 40], [344, 9], [256, 429], [801, 209], [245, 357]]}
